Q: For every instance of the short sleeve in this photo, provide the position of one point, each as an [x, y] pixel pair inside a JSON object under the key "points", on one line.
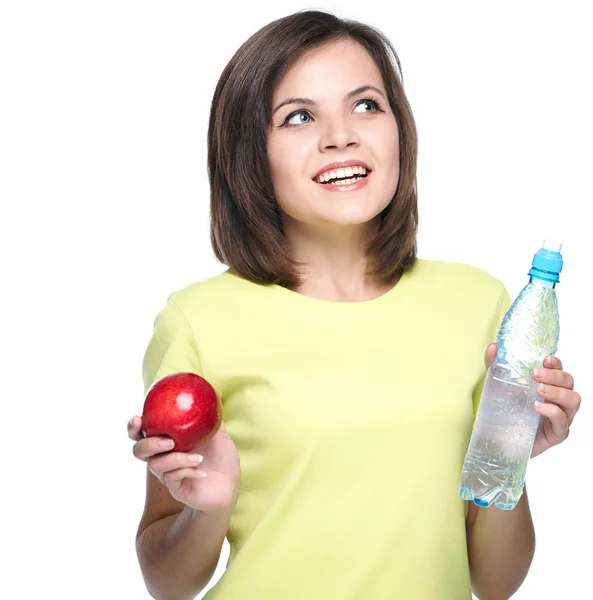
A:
{"points": [[172, 347], [504, 303]]}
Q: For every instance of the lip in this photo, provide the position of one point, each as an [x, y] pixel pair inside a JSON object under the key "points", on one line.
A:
{"points": [[342, 165]]}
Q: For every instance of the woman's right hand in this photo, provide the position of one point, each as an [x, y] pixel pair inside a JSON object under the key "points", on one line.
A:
{"points": [[210, 485]]}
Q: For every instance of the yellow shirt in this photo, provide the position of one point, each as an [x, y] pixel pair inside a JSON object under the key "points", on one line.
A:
{"points": [[351, 419]]}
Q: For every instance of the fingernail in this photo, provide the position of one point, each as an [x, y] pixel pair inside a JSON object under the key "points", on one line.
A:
{"points": [[537, 404], [542, 387], [197, 458], [538, 372], [167, 443], [131, 422], [552, 360]]}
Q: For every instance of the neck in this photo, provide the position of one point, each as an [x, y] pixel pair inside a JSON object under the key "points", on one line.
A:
{"points": [[334, 261], [542, 282]]}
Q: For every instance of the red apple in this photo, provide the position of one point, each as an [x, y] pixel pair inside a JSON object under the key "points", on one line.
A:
{"points": [[183, 406]]}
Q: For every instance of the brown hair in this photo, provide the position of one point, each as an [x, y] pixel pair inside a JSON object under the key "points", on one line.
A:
{"points": [[246, 223]]}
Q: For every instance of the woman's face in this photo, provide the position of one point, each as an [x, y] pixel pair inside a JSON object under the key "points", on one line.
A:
{"points": [[305, 137]]}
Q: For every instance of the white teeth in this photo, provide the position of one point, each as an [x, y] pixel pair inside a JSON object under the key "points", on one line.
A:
{"points": [[345, 181], [347, 172]]}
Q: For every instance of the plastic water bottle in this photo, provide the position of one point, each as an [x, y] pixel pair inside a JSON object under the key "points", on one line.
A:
{"points": [[506, 423]]}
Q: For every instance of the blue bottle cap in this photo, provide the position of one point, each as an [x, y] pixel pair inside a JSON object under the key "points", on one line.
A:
{"points": [[547, 263]]}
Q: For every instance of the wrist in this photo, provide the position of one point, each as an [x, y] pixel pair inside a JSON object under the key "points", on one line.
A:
{"points": [[219, 515]]}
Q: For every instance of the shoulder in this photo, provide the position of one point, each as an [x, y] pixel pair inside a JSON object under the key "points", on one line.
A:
{"points": [[211, 292], [459, 280], [470, 297]]}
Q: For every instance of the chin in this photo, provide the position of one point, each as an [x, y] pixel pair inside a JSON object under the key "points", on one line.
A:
{"points": [[336, 211], [346, 218], [354, 214]]}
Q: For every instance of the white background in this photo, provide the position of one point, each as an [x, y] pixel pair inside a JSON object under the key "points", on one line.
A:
{"points": [[103, 117]]}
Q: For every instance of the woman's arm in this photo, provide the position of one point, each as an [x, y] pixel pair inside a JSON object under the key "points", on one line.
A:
{"points": [[178, 554], [187, 512], [501, 544]]}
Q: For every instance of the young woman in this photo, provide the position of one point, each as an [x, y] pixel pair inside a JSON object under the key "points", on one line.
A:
{"points": [[349, 370]]}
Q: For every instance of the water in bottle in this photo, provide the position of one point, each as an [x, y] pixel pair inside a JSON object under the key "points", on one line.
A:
{"points": [[506, 422]]}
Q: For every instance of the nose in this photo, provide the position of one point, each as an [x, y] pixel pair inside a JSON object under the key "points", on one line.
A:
{"points": [[338, 134]]}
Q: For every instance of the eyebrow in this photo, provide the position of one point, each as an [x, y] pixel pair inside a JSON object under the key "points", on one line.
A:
{"points": [[308, 101]]}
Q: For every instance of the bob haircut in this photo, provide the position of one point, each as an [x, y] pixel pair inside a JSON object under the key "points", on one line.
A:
{"points": [[246, 226]]}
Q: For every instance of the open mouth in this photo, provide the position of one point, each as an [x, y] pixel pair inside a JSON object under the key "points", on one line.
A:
{"points": [[345, 180]]}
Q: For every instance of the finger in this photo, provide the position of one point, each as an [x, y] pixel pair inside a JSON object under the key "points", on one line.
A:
{"points": [[555, 377], [490, 354], [558, 418], [552, 362], [567, 400], [174, 479], [134, 427], [162, 464], [148, 447]]}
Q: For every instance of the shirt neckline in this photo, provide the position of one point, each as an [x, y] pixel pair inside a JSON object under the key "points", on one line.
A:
{"points": [[296, 298]]}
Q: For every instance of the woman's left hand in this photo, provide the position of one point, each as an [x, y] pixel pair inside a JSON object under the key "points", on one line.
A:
{"points": [[561, 404]]}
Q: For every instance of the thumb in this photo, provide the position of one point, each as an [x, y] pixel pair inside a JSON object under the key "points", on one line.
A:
{"points": [[490, 354]]}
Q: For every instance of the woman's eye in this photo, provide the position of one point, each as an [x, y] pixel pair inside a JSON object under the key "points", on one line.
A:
{"points": [[367, 102], [298, 115]]}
